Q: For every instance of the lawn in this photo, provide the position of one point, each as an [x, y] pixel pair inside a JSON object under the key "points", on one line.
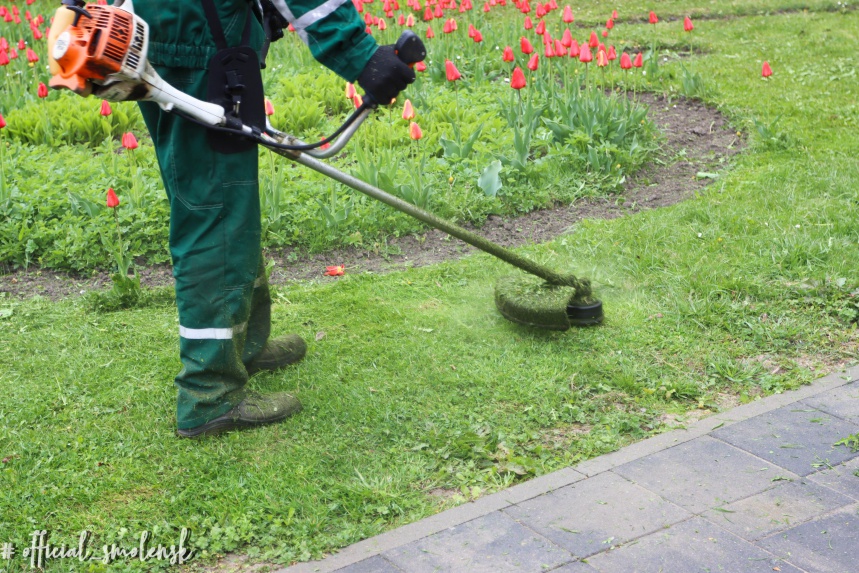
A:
{"points": [[417, 394]]}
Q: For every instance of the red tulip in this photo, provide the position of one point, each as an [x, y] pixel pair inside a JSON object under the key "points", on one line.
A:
{"points": [[609, 24], [415, 131], [408, 110], [428, 14], [534, 62], [638, 61], [357, 101], [594, 41], [766, 71], [335, 271], [653, 19], [625, 61], [525, 46], [574, 49], [614, 14], [350, 90], [486, 7], [410, 21], [31, 56], [478, 37], [687, 24], [430, 33], [105, 108], [517, 81], [471, 30], [560, 50], [42, 92], [507, 55], [269, 107], [112, 199], [2, 121], [548, 50], [612, 54], [585, 55], [605, 33], [567, 38], [4, 58], [541, 27], [528, 24], [37, 34], [21, 45], [567, 16], [451, 72], [382, 25], [129, 141], [13, 54], [420, 67], [401, 20]]}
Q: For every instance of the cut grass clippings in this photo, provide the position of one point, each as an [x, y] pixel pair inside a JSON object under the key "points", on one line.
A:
{"points": [[413, 382]]}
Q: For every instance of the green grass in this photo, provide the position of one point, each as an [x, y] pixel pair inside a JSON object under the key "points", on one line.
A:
{"points": [[419, 386]]}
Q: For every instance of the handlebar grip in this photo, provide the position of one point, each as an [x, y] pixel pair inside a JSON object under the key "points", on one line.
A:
{"points": [[410, 48]]}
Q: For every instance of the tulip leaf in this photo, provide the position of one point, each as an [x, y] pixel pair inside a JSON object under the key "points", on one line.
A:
{"points": [[490, 180]]}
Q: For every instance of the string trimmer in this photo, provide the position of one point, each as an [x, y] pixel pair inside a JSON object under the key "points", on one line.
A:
{"points": [[101, 50]]}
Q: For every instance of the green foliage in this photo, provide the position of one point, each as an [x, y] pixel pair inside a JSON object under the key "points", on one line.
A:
{"points": [[770, 137], [71, 120]]}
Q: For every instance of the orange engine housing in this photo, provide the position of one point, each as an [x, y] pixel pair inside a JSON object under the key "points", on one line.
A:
{"points": [[97, 48]]}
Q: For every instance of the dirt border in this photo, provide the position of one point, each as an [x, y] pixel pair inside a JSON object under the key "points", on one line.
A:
{"points": [[699, 139]]}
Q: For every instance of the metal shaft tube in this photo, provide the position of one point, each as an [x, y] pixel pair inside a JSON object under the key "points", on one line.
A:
{"points": [[506, 255]]}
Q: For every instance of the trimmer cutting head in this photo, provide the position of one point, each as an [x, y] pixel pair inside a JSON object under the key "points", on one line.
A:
{"points": [[528, 300]]}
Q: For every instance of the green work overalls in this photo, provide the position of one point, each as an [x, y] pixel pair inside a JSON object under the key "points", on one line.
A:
{"points": [[215, 232]]}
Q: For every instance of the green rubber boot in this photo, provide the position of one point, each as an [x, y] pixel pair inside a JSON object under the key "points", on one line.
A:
{"points": [[254, 410], [278, 353]]}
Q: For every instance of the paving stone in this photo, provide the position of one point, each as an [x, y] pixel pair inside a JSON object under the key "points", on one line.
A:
{"points": [[796, 437], [693, 546], [594, 514], [575, 567], [372, 565], [776, 509], [494, 543], [843, 478], [826, 545], [703, 473], [842, 402]]}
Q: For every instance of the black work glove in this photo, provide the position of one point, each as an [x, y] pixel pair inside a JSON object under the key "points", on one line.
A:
{"points": [[385, 75]]}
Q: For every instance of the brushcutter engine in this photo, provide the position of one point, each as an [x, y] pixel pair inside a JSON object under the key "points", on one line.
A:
{"points": [[101, 50]]}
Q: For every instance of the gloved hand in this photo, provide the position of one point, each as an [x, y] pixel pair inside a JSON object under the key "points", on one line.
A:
{"points": [[385, 75]]}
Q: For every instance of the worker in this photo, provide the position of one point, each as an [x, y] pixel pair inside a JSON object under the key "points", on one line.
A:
{"points": [[215, 232]]}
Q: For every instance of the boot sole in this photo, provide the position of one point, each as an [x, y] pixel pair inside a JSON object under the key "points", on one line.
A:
{"points": [[216, 426]]}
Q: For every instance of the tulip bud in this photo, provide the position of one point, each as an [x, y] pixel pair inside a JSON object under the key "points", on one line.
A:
{"points": [[42, 92], [687, 24], [534, 62], [112, 199], [408, 110], [415, 131], [269, 107], [766, 71], [129, 141], [105, 108], [451, 72], [517, 81], [2, 121], [653, 19]]}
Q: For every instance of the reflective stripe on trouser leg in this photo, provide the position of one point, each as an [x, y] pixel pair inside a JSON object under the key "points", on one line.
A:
{"points": [[215, 245]]}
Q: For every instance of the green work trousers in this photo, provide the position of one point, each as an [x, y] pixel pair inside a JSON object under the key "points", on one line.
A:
{"points": [[215, 233]]}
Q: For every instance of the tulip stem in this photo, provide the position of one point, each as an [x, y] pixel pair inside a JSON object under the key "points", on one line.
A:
{"points": [[3, 197]]}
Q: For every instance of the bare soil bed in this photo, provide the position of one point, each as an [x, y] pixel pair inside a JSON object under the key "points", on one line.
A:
{"points": [[698, 139]]}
